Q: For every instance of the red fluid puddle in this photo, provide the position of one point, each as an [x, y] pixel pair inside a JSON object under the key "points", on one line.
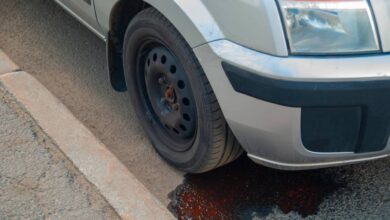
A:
{"points": [[244, 190]]}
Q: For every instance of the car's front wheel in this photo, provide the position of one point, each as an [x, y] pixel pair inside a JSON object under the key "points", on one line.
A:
{"points": [[173, 98]]}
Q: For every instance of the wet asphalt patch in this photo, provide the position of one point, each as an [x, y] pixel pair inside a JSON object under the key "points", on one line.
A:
{"points": [[245, 190]]}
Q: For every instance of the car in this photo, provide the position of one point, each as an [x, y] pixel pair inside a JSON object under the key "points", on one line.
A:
{"points": [[295, 84]]}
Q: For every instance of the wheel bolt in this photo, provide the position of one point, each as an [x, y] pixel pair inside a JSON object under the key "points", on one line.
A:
{"points": [[175, 107], [162, 80]]}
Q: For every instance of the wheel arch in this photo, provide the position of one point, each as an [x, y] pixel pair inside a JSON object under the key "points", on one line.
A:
{"points": [[191, 18]]}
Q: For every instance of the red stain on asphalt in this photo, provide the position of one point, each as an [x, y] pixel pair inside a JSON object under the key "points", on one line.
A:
{"points": [[244, 190]]}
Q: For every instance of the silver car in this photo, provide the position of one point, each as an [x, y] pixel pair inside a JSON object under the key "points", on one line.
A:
{"points": [[295, 84]]}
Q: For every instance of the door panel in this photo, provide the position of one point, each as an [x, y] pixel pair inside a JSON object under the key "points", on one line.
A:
{"points": [[84, 10]]}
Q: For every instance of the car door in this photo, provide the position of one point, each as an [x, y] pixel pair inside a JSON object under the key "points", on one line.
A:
{"points": [[84, 10]]}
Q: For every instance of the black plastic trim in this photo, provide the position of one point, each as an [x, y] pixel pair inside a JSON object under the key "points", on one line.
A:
{"points": [[331, 129], [372, 96]]}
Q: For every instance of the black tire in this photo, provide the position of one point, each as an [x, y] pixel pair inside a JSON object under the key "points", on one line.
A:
{"points": [[211, 143]]}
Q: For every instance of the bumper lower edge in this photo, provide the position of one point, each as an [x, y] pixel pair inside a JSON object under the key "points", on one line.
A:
{"points": [[307, 166]]}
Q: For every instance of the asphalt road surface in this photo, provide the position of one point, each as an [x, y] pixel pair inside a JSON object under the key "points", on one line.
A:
{"points": [[70, 61]]}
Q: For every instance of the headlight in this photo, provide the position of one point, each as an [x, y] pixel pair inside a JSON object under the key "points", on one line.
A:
{"points": [[329, 26]]}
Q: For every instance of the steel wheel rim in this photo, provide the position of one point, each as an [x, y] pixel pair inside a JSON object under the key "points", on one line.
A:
{"points": [[168, 96]]}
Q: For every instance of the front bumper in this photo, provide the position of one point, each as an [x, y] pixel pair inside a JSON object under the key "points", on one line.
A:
{"points": [[302, 113]]}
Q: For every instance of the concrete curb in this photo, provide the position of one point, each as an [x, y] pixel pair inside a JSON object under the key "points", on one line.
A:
{"points": [[6, 64], [130, 198]]}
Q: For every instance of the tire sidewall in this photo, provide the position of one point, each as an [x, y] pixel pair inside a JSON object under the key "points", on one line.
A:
{"points": [[139, 30]]}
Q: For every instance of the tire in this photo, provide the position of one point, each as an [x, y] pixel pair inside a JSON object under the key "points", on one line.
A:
{"points": [[179, 111]]}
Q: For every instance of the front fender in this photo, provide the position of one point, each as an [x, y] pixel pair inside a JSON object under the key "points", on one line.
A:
{"points": [[191, 18], [255, 24]]}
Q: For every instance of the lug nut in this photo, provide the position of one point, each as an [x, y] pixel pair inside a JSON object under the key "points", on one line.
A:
{"points": [[175, 107], [162, 80]]}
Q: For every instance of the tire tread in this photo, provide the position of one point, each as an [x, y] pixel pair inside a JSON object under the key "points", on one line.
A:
{"points": [[223, 146]]}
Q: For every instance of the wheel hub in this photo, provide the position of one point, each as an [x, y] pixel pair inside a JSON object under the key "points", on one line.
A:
{"points": [[170, 94]]}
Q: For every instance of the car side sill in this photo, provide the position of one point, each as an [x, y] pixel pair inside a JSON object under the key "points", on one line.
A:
{"points": [[96, 32], [307, 166]]}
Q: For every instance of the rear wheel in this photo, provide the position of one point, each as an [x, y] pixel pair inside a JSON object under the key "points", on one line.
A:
{"points": [[173, 98]]}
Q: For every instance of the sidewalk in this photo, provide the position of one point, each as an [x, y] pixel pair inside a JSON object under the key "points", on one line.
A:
{"points": [[52, 166], [36, 180]]}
